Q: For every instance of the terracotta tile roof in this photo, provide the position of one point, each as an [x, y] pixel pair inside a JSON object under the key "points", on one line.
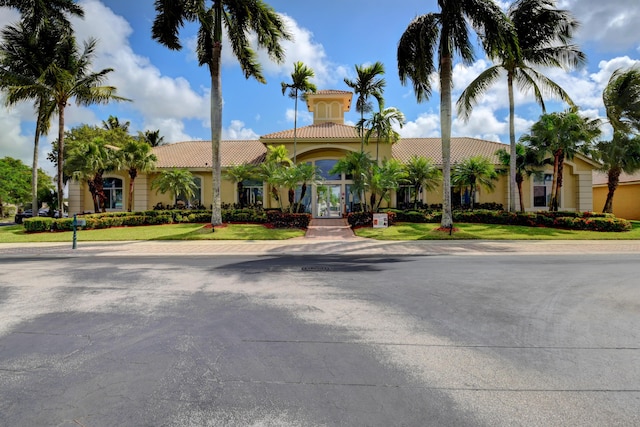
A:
{"points": [[322, 131], [461, 148], [197, 154], [332, 92], [600, 178]]}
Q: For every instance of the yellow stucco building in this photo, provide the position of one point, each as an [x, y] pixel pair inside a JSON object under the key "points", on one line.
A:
{"points": [[626, 199], [322, 144]]}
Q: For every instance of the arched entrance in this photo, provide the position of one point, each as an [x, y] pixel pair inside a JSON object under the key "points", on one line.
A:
{"points": [[331, 198]]}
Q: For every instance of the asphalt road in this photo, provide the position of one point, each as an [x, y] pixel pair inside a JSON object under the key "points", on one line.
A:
{"points": [[320, 341]]}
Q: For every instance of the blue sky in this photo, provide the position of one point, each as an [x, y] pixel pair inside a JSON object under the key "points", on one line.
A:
{"points": [[171, 93]]}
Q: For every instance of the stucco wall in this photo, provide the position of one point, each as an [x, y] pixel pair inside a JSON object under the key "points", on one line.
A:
{"points": [[626, 200]]}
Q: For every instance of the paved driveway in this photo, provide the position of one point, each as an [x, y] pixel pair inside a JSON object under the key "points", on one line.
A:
{"points": [[279, 340]]}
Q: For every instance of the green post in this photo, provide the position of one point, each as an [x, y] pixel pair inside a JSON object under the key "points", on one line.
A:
{"points": [[75, 227]]}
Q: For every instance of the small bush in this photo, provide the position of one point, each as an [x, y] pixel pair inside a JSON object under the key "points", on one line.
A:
{"points": [[38, 224], [159, 219], [134, 220], [360, 219], [288, 220], [63, 224]]}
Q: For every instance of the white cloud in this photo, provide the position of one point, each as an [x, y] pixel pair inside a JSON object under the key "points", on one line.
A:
{"points": [[237, 131], [171, 129], [158, 98], [304, 117], [481, 124], [301, 47], [13, 142], [611, 26], [426, 125]]}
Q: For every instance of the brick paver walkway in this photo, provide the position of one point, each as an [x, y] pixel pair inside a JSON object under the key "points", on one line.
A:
{"points": [[329, 229]]}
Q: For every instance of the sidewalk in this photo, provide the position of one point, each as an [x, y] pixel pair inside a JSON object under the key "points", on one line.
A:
{"points": [[315, 246]]}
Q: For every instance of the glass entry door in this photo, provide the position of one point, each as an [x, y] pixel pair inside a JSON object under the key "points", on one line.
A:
{"points": [[328, 201]]}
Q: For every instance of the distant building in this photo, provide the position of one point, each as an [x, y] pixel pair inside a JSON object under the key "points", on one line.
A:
{"points": [[322, 144]]}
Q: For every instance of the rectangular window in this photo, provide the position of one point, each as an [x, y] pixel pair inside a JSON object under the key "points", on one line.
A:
{"points": [[195, 201], [112, 188], [405, 197], [253, 192], [542, 190]]}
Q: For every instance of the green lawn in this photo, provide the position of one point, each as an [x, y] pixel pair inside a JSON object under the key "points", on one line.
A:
{"points": [[401, 231], [411, 231], [16, 233]]}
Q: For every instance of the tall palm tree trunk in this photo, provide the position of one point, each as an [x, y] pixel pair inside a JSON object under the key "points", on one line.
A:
{"points": [[34, 171], [216, 133], [295, 127], [556, 196], [613, 179], [99, 186], [133, 173], [554, 182], [445, 124], [512, 148], [61, 106], [94, 195], [519, 180]]}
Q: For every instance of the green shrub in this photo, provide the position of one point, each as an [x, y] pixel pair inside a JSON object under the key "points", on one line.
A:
{"points": [[134, 220], [63, 224], [360, 219], [288, 220], [589, 221], [159, 219], [37, 224], [245, 215]]}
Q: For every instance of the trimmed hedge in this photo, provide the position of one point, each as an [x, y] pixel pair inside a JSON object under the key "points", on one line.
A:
{"points": [[175, 216], [589, 221], [288, 220], [37, 224]]}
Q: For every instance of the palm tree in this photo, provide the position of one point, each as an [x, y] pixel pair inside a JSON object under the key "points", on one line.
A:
{"points": [[441, 35], [563, 135], [421, 173], [135, 156], [291, 177], [36, 14], [70, 77], [28, 49], [382, 179], [151, 137], [114, 123], [367, 84], [474, 172], [357, 165], [277, 157], [299, 86], [307, 173], [622, 154], [174, 182], [237, 174], [237, 18], [87, 160], [543, 37], [380, 125], [528, 163]]}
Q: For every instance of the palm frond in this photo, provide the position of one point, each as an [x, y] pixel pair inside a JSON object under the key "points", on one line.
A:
{"points": [[416, 50], [475, 90]]}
